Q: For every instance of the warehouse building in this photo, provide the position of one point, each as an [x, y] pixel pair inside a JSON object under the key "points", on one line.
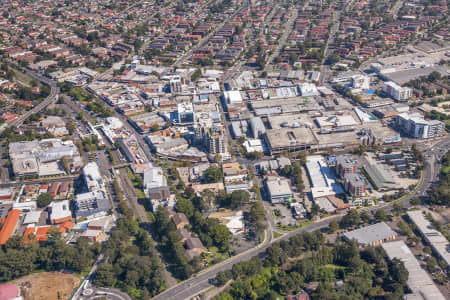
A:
{"points": [[379, 176], [372, 235], [322, 178], [438, 242], [419, 282]]}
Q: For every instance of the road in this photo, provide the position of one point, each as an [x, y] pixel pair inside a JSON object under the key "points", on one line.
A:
{"points": [[195, 285], [396, 8], [287, 31], [236, 69], [325, 71], [205, 40], [52, 98]]}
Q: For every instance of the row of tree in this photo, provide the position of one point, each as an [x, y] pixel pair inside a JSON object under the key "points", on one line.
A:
{"points": [[21, 256], [164, 231], [440, 194], [131, 260]]}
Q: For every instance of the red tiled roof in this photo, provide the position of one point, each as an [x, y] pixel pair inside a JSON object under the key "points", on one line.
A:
{"points": [[9, 225]]}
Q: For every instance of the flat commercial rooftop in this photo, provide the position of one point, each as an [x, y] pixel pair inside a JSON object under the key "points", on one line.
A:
{"points": [[26, 165], [290, 137], [323, 179], [325, 204], [439, 243], [402, 77], [336, 121], [279, 187], [337, 139], [347, 138], [32, 217], [371, 234], [419, 281], [277, 121]]}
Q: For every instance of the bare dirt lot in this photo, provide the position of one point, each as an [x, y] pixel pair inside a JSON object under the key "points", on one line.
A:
{"points": [[48, 286]]}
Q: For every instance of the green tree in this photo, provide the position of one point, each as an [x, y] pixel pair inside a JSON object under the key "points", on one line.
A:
{"points": [[380, 216], [44, 199], [256, 219], [185, 206], [334, 226], [212, 174], [238, 198], [415, 201], [350, 219]]}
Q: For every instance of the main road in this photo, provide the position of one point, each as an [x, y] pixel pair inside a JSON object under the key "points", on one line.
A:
{"points": [[288, 27], [52, 98], [205, 40], [194, 286]]}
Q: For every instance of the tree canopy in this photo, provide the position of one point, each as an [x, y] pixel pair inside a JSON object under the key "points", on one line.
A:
{"points": [[212, 175]]}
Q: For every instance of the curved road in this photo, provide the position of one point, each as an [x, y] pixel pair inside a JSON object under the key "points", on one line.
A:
{"points": [[195, 285], [199, 283], [52, 98]]}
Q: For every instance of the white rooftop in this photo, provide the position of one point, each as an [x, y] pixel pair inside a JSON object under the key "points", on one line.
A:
{"points": [[279, 187], [323, 179], [232, 96], [434, 237], [370, 234], [419, 281], [325, 204], [60, 210], [32, 217]]}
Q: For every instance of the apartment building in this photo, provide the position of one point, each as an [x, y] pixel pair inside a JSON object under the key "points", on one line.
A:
{"points": [[416, 126]]}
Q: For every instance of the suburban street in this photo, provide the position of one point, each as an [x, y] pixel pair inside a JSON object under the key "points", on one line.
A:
{"points": [[287, 31], [205, 40]]}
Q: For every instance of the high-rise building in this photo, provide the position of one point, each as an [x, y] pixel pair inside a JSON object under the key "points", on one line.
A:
{"points": [[185, 113], [397, 92], [212, 139], [354, 185], [346, 165], [416, 126], [360, 82]]}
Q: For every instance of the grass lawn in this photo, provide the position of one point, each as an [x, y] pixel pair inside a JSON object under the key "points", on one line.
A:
{"points": [[290, 228], [332, 267], [214, 256], [115, 91], [140, 194], [276, 235]]}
